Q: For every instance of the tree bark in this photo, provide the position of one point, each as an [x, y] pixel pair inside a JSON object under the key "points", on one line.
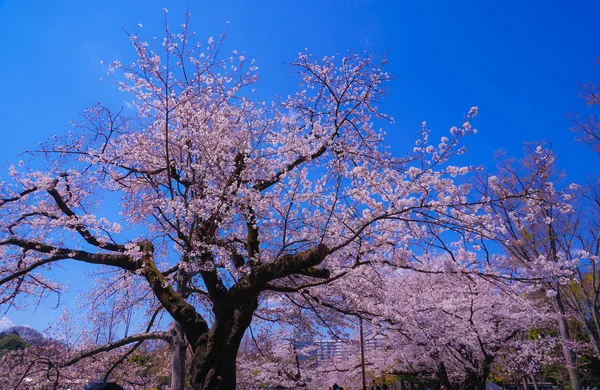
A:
{"points": [[214, 360]]}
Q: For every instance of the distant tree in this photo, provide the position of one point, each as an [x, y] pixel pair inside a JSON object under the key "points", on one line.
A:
{"points": [[583, 296], [587, 126], [448, 324], [11, 341], [30, 335]]}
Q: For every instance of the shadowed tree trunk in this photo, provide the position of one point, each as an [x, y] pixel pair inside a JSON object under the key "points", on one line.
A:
{"points": [[485, 372], [443, 375]]}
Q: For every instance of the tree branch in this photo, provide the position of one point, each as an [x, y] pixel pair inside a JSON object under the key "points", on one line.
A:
{"points": [[286, 266], [117, 260], [117, 344], [82, 230]]}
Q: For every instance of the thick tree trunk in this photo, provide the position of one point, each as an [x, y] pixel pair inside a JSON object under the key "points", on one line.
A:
{"points": [[565, 336], [478, 380], [178, 346], [214, 370], [214, 360]]}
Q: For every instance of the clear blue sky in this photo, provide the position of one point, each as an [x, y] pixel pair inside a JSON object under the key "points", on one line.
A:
{"points": [[519, 61]]}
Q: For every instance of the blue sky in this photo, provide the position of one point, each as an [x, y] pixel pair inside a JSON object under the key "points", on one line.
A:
{"points": [[520, 62]]}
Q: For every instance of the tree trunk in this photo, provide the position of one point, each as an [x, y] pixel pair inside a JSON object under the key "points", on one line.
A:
{"points": [[580, 313], [443, 375], [214, 360], [596, 322], [215, 349], [593, 340], [178, 346], [534, 381], [473, 381], [486, 368], [565, 336], [478, 380]]}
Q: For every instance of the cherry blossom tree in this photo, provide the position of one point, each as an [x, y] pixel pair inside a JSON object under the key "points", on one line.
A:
{"points": [[226, 201], [583, 298], [524, 358], [538, 232], [54, 365], [588, 128], [447, 324], [439, 323]]}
